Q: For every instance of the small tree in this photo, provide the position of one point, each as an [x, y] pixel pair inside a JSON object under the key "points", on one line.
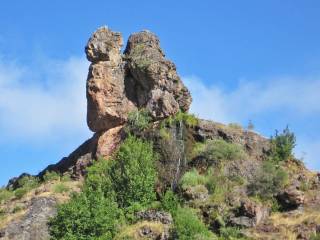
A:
{"points": [[133, 172], [282, 145]]}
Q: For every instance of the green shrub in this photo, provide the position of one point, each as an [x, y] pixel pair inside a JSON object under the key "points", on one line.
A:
{"points": [[88, 216], [133, 172], [270, 179], [60, 188], [218, 150], [20, 192], [170, 202], [17, 209], [192, 178], [187, 226], [231, 233], [315, 236], [98, 178], [28, 182], [139, 120], [51, 176], [164, 133], [66, 177], [189, 119], [5, 195], [282, 145], [127, 180]]}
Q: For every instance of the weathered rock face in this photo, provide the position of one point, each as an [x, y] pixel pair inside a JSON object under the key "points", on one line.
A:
{"points": [[143, 78], [107, 104], [250, 214], [33, 225], [291, 198], [157, 84]]}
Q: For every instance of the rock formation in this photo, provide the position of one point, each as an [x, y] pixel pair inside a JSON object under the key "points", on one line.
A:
{"points": [[142, 78], [120, 83]]}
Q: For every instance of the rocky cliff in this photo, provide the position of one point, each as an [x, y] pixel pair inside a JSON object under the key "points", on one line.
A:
{"points": [[142, 79]]}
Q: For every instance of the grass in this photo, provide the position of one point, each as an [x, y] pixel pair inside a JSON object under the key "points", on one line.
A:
{"points": [[5, 195], [192, 178], [61, 188]]}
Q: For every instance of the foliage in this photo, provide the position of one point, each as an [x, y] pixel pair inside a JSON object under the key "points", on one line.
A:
{"points": [[127, 180], [189, 227], [133, 172], [218, 150], [164, 133], [50, 176], [192, 178], [282, 145], [189, 119], [17, 209], [170, 202], [20, 192], [269, 180], [60, 188], [66, 177], [315, 236], [5, 195], [28, 182], [139, 120], [230, 233], [88, 216]]}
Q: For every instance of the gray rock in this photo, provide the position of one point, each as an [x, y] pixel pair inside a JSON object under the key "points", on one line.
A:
{"points": [[33, 225], [155, 216], [291, 198]]}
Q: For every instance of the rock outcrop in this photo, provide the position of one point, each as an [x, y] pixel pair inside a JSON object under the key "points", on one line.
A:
{"points": [[33, 225], [142, 78], [118, 84], [156, 84], [107, 103]]}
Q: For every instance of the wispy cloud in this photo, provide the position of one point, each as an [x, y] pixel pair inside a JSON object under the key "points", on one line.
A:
{"points": [[300, 96], [35, 110]]}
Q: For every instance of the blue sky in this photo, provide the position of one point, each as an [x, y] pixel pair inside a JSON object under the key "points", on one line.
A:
{"points": [[243, 60]]}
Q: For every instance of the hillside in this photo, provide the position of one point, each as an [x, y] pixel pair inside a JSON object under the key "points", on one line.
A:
{"points": [[153, 171]]}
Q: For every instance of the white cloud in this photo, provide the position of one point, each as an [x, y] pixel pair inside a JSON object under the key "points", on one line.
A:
{"points": [[300, 96], [56, 105]]}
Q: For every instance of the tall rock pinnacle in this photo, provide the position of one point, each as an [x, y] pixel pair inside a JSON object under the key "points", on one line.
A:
{"points": [[141, 78], [107, 104]]}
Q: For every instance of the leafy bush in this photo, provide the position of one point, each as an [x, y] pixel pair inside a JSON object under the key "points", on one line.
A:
{"points": [[60, 188], [282, 145], [187, 226], [139, 120], [218, 150], [192, 178], [5, 195], [51, 176], [170, 202], [28, 182], [20, 192], [127, 180], [133, 172], [269, 180], [189, 119], [230, 233], [88, 216]]}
